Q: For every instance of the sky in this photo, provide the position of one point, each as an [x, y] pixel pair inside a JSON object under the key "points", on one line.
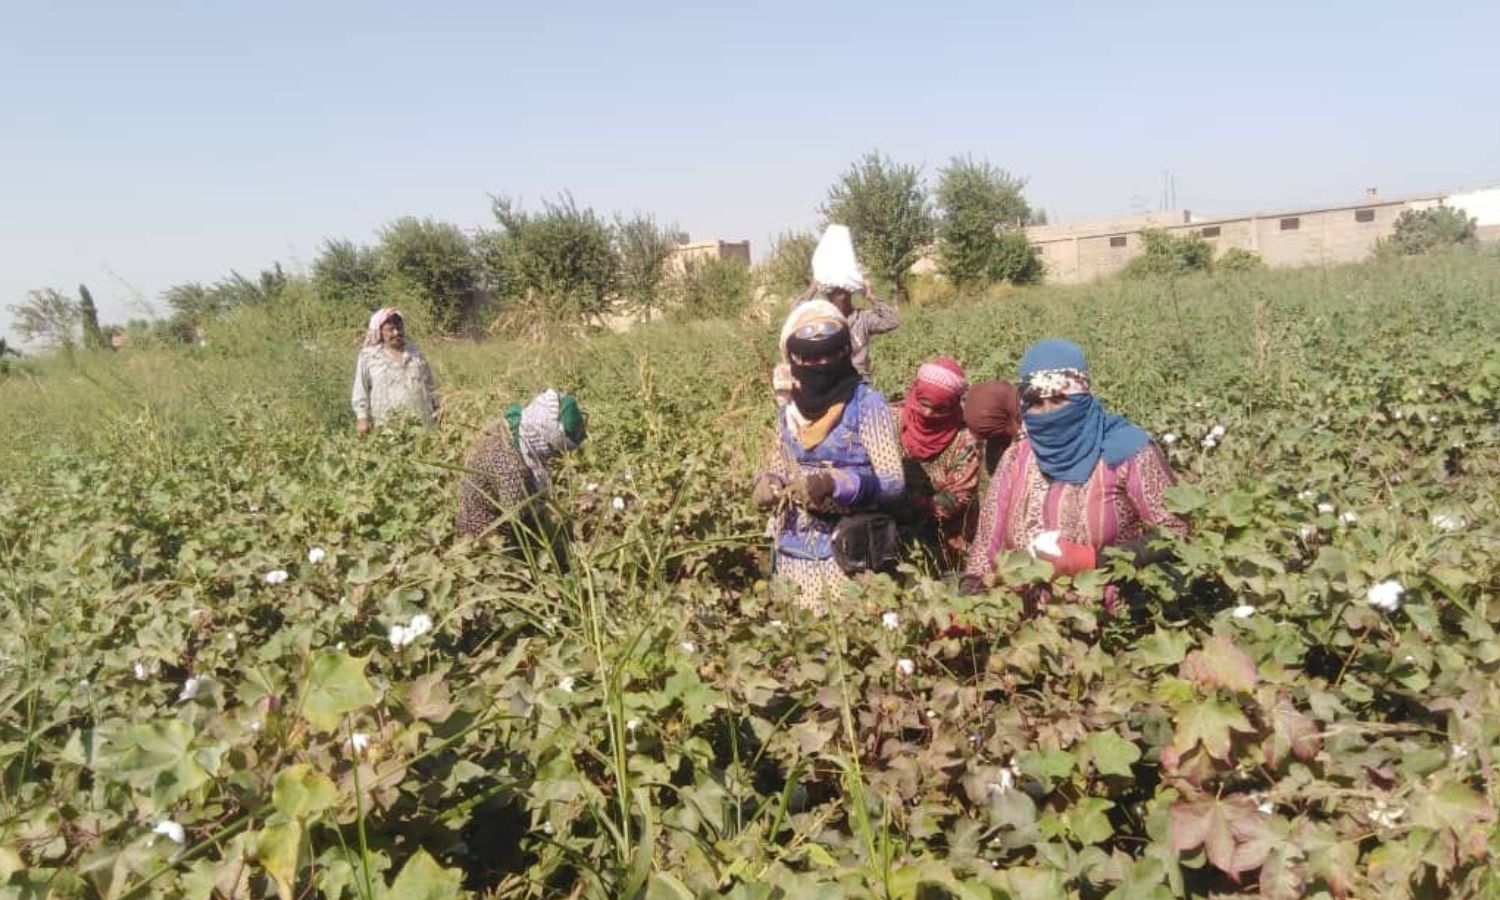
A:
{"points": [[146, 144]]}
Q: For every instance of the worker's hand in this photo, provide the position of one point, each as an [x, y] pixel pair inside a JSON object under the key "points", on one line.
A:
{"points": [[362, 426], [944, 505], [811, 491], [766, 491], [1067, 558]]}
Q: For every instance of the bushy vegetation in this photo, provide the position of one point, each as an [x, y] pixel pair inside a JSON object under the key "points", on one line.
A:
{"points": [[889, 213], [1169, 254], [981, 210], [1425, 230], [788, 270], [204, 568]]}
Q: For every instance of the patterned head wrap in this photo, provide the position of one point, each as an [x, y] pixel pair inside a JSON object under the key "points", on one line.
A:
{"points": [[940, 384], [378, 320], [1053, 368], [551, 424]]}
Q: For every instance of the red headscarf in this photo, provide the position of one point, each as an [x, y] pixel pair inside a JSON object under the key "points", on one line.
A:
{"points": [[941, 384]]}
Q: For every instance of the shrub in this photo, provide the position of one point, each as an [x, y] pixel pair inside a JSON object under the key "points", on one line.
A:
{"points": [[558, 263], [1424, 230], [1238, 259], [975, 201], [643, 248], [885, 206], [1167, 254], [48, 317], [788, 269], [348, 273], [433, 263], [712, 289]]}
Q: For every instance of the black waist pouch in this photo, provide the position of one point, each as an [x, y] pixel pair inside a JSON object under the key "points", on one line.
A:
{"points": [[865, 542]]}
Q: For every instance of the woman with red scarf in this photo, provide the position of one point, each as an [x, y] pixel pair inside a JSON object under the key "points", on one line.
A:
{"points": [[941, 460]]}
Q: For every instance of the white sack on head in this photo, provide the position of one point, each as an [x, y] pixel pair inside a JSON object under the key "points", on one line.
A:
{"points": [[833, 262]]}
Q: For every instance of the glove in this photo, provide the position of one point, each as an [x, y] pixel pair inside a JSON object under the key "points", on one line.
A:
{"points": [[811, 491], [1067, 558], [766, 491]]}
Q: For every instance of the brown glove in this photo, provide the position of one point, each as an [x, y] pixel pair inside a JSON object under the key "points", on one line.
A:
{"points": [[766, 491], [811, 491]]}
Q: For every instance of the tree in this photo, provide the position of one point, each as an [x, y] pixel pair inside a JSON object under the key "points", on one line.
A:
{"points": [[643, 248], [786, 272], [713, 288], [560, 262], [48, 316], [1166, 254], [435, 263], [885, 206], [1238, 259], [976, 202], [347, 273], [192, 302], [93, 335], [1424, 230]]}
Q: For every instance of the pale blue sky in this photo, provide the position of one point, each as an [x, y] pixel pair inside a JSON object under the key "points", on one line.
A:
{"points": [[147, 144]]}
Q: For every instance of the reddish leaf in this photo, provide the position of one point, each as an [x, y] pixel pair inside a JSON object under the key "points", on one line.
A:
{"points": [[1232, 832], [1220, 664], [1292, 731]]}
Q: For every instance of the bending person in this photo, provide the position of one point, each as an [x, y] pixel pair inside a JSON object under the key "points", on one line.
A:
{"points": [[1077, 480], [836, 455]]}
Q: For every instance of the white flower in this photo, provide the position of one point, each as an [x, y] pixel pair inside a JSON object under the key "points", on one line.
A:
{"points": [[890, 621], [400, 636], [688, 647], [1045, 544], [1446, 522], [1386, 595], [1307, 531], [276, 576], [905, 667], [566, 684], [1326, 509], [189, 689], [1386, 816], [1210, 442], [316, 555], [171, 829], [1458, 751], [1306, 496], [632, 725], [1243, 611], [1169, 438], [140, 671], [421, 623], [1217, 432], [1349, 518], [618, 503]]}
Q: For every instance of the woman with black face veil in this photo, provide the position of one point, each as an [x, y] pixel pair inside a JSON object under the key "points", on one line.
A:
{"points": [[836, 457]]}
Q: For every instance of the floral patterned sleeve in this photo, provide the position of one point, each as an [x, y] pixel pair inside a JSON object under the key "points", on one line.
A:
{"points": [[1150, 476], [991, 528], [881, 438], [960, 478]]}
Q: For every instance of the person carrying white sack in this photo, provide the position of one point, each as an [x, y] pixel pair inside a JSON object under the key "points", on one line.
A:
{"points": [[837, 276]]}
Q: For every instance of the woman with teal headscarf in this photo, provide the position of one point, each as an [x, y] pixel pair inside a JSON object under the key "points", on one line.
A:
{"points": [[507, 468], [1077, 480]]}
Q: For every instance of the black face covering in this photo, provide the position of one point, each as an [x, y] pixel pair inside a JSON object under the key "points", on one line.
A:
{"points": [[828, 381]]}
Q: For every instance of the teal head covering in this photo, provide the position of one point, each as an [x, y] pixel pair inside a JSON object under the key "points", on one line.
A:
{"points": [[1070, 440]]}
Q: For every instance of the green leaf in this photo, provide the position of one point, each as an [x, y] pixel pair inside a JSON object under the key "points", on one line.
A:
{"points": [[1087, 822], [423, 879], [1163, 648], [336, 685], [665, 886], [1046, 765], [1209, 722], [299, 791], [1110, 753], [277, 850], [161, 757]]}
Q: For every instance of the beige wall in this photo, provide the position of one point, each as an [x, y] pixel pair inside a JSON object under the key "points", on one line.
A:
{"points": [[703, 250]]}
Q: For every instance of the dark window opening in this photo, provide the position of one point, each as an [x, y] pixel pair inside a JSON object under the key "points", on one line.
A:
{"points": [[1364, 215], [1290, 224], [1117, 241], [1210, 231]]}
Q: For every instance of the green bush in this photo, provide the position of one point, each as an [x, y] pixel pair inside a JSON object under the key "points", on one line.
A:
{"points": [[712, 289], [886, 208], [433, 264], [1168, 254], [558, 264], [348, 273], [787, 271], [981, 208], [1425, 230], [1238, 259], [643, 248]]}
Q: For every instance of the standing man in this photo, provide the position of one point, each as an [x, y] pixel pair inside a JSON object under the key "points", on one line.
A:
{"points": [[392, 378], [879, 318]]}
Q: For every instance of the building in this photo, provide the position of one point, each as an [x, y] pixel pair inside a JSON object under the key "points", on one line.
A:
{"points": [[1083, 251], [685, 253]]}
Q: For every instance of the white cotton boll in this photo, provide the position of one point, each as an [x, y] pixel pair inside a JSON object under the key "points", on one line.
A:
{"points": [[1262, 805], [777, 623], [1386, 595], [189, 690], [618, 504], [1306, 496], [316, 555], [173, 831], [1386, 816], [1349, 518], [632, 725], [1210, 442], [421, 623], [400, 636], [688, 647], [931, 714], [276, 576], [565, 684], [592, 487], [890, 621], [359, 742], [1216, 432], [1447, 522], [1169, 438], [140, 671], [1326, 509], [547, 827], [1458, 751], [905, 667], [1243, 611], [1046, 544]]}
